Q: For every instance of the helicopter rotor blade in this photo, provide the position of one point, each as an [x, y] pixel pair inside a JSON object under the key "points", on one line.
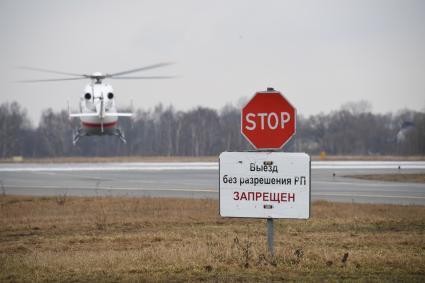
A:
{"points": [[52, 71], [50, 80], [139, 69], [143, 78]]}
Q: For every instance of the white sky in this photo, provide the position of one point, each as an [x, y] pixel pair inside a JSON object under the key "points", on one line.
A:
{"points": [[320, 54]]}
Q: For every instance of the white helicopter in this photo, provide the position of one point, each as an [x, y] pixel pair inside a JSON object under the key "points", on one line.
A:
{"points": [[98, 111]]}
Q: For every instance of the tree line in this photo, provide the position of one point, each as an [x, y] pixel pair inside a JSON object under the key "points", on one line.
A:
{"points": [[351, 130]]}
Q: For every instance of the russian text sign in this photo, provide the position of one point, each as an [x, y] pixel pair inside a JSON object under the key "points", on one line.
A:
{"points": [[265, 185]]}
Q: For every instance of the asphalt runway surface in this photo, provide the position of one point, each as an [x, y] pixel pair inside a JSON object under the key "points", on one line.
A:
{"points": [[200, 180]]}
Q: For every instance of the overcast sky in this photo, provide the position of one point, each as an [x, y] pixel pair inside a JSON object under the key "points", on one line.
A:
{"points": [[319, 54]]}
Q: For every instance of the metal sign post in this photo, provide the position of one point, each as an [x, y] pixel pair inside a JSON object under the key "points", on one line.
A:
{"points": [[266, 183], [270, 235]]}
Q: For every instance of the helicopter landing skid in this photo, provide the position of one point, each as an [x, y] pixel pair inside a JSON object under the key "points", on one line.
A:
{"points": [[79, 133], [120, 135]]}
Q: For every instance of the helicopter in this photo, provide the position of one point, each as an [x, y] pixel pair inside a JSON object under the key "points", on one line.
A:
{"points": [[98, 111]]}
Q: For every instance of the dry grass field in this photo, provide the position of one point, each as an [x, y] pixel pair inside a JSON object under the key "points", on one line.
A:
{"points": [[370, 158], [406, 178], [175, 240], [114, 159], [197, 159]]}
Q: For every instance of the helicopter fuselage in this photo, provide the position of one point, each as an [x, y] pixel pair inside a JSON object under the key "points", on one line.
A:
{"points": [[98, 98], [98, 112]]}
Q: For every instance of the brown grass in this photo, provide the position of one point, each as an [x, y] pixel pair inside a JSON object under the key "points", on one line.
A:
{"points": [[198, 159], [149, 239], [370, 157], [115, 159], [405, 178]]}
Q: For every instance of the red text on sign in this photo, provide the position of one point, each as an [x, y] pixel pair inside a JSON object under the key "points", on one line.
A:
{"points": [[264, 196]]}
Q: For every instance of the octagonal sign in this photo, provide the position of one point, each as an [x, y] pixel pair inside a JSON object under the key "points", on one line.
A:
{"points": [[268, 120]]}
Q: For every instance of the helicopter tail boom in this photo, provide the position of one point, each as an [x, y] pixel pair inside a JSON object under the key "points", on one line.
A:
{"points": [[72, 115], [117, 114]]}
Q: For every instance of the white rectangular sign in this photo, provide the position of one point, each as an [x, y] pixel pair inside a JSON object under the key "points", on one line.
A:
{"points": [[265, 185]]}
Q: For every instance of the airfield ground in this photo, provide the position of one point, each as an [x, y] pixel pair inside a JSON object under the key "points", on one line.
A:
{"points": [[195, 159], [401, 177], [149, 239], [113, 159]]}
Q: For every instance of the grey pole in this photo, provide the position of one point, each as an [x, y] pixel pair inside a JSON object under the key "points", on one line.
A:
{"points": [[270, 234]]}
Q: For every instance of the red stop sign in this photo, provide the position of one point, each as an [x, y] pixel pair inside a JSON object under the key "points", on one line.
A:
{"points": [[268, 120]]}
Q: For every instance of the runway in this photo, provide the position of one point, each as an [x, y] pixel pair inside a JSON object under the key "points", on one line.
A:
{"points": [[200, 180]]}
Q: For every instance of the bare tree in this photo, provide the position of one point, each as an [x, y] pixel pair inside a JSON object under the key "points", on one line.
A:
{"points": [[14, 126], [353, 129]]}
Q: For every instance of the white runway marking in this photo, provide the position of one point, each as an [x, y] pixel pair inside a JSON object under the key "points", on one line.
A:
{"points": [[201, 166], [200, 179]]}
